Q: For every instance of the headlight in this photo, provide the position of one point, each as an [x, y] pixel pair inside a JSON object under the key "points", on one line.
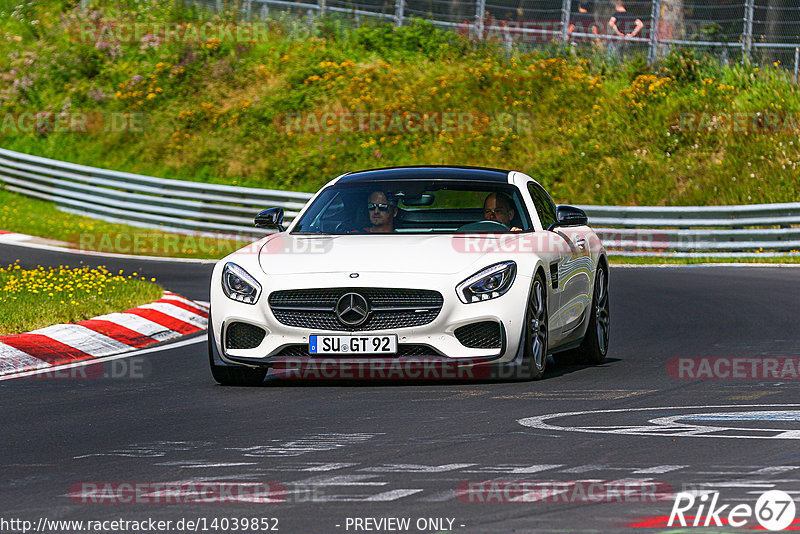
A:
{"points": [[490, 283], [239, 285]]}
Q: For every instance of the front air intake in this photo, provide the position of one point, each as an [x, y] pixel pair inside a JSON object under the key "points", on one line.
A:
{"points": [[243, 336], [483, 335]]}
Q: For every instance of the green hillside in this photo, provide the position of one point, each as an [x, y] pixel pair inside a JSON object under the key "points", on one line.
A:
{"points": [[296, 105]]}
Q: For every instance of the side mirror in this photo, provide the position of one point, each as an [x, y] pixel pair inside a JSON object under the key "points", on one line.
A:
{"points": [[570, 216], [270, 218]]}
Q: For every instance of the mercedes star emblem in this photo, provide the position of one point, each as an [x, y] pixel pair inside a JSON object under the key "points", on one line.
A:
{"points": [[352, 309]]}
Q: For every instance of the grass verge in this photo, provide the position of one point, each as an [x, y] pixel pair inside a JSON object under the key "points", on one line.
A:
{"points": [[35, 298]]}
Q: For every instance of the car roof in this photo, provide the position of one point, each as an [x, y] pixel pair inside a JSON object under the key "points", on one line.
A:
{"points": [[428, 172]]}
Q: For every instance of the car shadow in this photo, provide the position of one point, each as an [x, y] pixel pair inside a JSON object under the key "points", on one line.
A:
{"points": [[563, 365]]}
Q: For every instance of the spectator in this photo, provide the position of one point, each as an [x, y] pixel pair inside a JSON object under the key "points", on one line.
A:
{"points": [[621, 21], [582, 19]]}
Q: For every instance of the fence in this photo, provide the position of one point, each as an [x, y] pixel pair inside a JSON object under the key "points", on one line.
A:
{"points": [[761, 30], [190, 207]]}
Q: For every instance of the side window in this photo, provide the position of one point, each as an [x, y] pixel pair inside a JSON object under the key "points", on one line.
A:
{"points": [[544, 204]]}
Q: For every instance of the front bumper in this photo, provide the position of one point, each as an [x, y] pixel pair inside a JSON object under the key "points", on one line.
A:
{"points": [[438, 335]]}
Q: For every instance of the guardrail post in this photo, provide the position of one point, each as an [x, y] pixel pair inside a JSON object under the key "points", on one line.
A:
{"points": [[219, 6], [480, 11], [399, 6], [655, 17], [321, 8], [566, 11], [797, 64], [747, 41]]}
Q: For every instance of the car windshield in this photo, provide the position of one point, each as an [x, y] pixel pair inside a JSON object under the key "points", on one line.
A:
{"points": [[415, 206]]}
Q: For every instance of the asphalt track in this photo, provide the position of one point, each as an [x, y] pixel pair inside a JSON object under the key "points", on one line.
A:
{"points": [[401, 450]]}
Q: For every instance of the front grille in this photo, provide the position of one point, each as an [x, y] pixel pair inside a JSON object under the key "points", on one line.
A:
{"points": [[301, 351], [389, 308], [483, 335], [243, 336]]}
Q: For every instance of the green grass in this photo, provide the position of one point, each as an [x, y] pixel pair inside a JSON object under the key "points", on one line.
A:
{"points": [[37, 217], [590, 128], [35, 298]]}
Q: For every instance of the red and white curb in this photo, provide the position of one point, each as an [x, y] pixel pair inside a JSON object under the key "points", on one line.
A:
{"points": [[170, 317]]}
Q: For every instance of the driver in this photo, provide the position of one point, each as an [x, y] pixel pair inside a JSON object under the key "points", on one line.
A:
{"points": [[499, 207], [382, 212]]}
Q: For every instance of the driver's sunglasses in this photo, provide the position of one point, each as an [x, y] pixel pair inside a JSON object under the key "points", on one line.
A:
{"points": [[381, 207]]}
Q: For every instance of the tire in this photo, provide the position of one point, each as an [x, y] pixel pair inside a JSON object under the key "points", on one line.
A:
{"points": [[534, 359], [231, 374], [594, 347]]}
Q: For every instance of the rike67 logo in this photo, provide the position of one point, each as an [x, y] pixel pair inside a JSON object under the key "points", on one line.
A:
{"points": [[774, 510]]}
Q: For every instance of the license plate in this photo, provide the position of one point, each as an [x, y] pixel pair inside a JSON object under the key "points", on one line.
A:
{"points": [[324, 344]]}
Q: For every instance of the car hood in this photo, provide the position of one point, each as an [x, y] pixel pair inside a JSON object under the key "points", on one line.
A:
{"points": [[285, 253]]}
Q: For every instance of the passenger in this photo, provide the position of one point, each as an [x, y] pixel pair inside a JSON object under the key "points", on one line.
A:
{"points": [[382, 212], [499, 207]]}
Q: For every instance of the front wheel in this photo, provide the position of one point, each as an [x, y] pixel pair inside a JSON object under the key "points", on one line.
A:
{"points": [[232, 375], [594, 347], [536, 330]]}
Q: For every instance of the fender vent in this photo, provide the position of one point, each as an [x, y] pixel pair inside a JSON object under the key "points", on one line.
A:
{"points": [[243, 336], [483, 335]]}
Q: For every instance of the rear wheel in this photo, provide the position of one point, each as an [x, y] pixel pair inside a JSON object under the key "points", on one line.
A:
{"points": [[594, 347], [231, 374], [536, 329]]}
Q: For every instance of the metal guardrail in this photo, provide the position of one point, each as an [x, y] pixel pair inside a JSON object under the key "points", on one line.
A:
{"points": [[749, 230], [192, 207], [143, 201], [699, 231]]}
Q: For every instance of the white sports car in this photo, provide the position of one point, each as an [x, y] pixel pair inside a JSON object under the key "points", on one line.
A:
{"points": [[413, 272]]}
